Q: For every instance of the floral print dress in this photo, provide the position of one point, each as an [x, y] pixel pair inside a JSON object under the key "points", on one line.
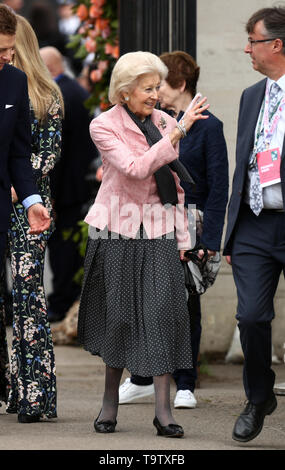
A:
{"points": [[33, 379]]}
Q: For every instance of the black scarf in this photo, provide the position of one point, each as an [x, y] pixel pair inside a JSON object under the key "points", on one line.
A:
{"points": [[165, 181]]}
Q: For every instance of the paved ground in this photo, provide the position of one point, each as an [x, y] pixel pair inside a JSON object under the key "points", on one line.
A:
{"points": [[80, 380]]}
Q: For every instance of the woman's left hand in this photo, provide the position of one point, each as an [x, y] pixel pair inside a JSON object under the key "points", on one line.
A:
{"points": [[181, 255]]}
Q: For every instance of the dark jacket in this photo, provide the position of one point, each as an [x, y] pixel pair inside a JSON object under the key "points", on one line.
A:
{"points": [[204, 153], [250, 105], [15, 141]]}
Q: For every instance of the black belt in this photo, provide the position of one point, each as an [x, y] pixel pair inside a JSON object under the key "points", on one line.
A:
{"points": [[273, 211]]}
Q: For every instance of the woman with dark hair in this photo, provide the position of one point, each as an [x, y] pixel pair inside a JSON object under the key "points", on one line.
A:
{"points": [[203, 152]]}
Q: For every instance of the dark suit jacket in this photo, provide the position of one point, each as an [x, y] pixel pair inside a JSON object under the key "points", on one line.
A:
{"points": [[15, 141], [204, 153], [250, 105], [68, 180]]}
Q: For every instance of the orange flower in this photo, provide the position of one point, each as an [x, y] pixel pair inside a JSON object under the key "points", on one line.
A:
{"points": [[102, 24], [98, 3], [96, 75], [82, 12], [95, 12], [104, 105], [116, 52], [112, 50], [90, 45]]}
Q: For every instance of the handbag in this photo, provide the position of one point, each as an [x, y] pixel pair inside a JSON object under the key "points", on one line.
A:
{"points": [[200, 273]]}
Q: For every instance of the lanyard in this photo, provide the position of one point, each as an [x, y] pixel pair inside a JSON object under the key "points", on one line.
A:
{"points": [[269, 123]]}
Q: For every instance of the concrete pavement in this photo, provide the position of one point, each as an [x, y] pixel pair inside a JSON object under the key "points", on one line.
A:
{"points": [[80, 379]]}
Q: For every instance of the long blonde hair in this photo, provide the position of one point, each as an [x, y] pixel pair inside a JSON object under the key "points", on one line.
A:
{"points": [[42, 88]]}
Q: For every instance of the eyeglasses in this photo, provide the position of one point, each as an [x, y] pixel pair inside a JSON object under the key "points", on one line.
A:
{"points": [[254, 41]]}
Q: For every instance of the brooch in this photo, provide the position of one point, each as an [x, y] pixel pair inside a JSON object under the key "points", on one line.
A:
{"points": [[162, 123]]}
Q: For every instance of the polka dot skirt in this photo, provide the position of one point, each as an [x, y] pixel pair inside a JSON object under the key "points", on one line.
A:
{"points": [[133, 311]]}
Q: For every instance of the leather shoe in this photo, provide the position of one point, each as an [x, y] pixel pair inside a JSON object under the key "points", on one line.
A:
{"points": [[171, 430], [250, 423], [104, 426], [28, 418]]}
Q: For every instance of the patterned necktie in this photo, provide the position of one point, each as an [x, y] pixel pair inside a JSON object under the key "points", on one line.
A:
{"points": [[255, 191]]}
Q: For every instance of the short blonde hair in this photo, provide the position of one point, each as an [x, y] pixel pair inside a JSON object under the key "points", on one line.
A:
{"points": [[129, 68]]}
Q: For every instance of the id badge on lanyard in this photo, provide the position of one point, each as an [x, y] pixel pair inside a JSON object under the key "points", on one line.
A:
{"points": [[268, 163]]}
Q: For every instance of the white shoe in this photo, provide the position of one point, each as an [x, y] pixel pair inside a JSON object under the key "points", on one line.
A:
{"points": [[185, 399], [129, 391]]}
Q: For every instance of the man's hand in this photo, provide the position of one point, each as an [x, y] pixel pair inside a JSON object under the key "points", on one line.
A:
{"points": [[229, 259], [39, 219]]}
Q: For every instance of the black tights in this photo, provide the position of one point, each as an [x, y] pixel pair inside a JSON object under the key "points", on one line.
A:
{"points": [[111, 397]]}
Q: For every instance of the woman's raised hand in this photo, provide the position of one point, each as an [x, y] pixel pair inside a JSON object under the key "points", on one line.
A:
{"points": [[195, 113]]}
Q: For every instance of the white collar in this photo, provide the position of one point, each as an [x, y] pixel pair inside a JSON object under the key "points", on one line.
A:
{"points": [[280, 82]]}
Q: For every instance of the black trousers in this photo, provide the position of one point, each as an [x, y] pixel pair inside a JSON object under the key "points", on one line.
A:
{"points": [[258, 258], [65, 262], [185, 379]]}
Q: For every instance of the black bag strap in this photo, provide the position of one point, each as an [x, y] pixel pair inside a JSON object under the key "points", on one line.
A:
{"points": [[193, 255]]}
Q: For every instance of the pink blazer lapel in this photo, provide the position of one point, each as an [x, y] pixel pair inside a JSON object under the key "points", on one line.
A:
{"points": [[127, 121]]}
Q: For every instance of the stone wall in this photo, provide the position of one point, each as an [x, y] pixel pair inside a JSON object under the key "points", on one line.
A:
{"points": [[225, 71]]}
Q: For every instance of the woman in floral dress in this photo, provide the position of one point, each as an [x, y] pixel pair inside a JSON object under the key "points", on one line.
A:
{"points": [[33, 381]]}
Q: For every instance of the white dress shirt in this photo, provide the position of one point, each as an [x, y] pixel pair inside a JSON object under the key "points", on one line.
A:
{"points": [[30, 200], [272, 195]]}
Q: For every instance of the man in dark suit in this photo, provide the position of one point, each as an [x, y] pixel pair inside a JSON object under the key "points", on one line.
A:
{"points": [[15, 135], [255, 237], [70, 190]]}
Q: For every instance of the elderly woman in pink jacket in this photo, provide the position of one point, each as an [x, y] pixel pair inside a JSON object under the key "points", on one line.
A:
{"points": [[133, 310]]}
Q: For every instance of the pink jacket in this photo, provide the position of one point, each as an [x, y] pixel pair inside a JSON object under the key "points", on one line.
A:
{"points": [[128, 193]]}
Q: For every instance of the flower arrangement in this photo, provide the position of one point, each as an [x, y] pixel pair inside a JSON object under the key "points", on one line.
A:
{"points": [[98, 33]]}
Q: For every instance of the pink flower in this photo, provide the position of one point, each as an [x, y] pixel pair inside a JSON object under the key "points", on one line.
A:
{"points": [[90, 45], [82, 30], [106, 32]]}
